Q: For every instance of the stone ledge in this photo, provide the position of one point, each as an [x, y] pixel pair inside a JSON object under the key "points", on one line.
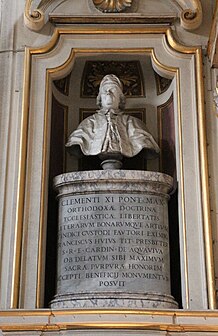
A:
{"points": [[177, 321]]}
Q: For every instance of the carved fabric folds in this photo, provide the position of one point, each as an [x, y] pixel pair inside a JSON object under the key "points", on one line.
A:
{"points": [[123, 134]]}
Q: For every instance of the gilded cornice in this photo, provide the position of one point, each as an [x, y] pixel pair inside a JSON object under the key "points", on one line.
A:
{"points": [[36, 12]]}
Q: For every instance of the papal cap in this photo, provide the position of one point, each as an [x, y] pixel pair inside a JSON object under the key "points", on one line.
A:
{"points": [[111, 79]]}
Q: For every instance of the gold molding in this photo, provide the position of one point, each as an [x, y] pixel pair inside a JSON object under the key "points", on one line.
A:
{"points": [[77, 312], [205, 181], [21, 184], [35, 19], [24, 136], [195, 326], [59, 326], [113, 19]]}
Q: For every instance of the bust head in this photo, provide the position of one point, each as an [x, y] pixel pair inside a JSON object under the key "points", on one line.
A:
{"points": [[111, 93]]}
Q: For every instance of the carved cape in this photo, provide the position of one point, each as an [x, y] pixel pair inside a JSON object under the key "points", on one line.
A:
{"points": [[109, 131]]}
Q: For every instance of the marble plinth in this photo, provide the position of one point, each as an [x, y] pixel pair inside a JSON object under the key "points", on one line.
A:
{"points": [[113, 243]]}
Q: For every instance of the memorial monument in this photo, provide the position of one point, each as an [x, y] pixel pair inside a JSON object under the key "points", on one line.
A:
{"points": [[113, 242], [110, 133]]}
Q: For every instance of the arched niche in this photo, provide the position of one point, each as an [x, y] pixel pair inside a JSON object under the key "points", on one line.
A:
{"points": [[170, 60], [149, 96]]}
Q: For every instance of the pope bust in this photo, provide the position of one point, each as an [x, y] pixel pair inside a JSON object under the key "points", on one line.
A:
{"points": [[110, 132]]}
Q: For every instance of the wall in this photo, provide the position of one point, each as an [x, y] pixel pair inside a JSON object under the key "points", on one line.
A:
{"points": [[13, 39]]}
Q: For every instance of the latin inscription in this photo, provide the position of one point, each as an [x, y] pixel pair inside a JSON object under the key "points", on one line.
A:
{"points": [[113, 242]]}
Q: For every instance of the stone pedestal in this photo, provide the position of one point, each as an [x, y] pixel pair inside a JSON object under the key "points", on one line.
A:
{"points": [[113, 243]]}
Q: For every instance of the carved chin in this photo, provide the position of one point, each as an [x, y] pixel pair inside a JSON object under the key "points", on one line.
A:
{"points": [[112, 6]]}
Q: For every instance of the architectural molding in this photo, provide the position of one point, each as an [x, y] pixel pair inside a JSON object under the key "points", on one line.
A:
{"points": [[212, 47], [191, 13], [54, 322], [55, 61], [34, 15], [36, 12]]}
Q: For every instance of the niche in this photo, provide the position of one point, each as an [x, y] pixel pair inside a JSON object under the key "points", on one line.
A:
{"points": [[150, 97]]}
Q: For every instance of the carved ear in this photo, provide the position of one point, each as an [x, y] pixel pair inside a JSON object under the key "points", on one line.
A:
{"points": [[98, 101]]}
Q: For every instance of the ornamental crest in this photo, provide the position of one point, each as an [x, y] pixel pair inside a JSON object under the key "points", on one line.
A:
{"points": [[112, 6]]}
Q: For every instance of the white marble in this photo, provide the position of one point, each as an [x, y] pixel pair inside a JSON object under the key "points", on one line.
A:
{"points": [[113, 242], [110, 133], [147, 301]]}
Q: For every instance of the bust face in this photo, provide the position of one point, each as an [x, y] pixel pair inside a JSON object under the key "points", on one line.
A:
{"points": [[110, 96]]}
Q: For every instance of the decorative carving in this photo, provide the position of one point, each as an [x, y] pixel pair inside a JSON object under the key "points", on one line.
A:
{"points": [[63, 85], [112, 6], [36, 12], [129, 73], [162, 83], [191, 13], [34, 19]]}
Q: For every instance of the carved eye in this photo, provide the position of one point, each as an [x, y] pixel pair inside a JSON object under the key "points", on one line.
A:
{"points": [[112, 6]]}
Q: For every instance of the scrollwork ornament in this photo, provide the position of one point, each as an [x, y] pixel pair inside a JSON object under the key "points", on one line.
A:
{"points": [[112, 6], [191, 13], [34, 19], [191, 19]]}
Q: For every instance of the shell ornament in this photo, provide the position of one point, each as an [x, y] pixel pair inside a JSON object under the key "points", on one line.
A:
{"points": [[112, 6]]}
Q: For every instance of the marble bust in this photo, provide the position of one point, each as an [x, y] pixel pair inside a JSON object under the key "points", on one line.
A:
{"points": [[110, 131]]}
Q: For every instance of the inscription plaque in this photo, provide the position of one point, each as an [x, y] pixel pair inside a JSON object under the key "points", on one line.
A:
{"points": [[112, 241]]}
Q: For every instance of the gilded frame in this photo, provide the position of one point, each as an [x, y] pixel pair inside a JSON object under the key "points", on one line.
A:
{"points": [[175, 46]]}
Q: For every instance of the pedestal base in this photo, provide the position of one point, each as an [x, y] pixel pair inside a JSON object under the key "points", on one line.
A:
{"points": [[113, 242], [114, 300]]}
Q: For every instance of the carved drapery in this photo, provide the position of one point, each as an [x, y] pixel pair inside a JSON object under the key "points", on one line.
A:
{"points": [[36, 11]]}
